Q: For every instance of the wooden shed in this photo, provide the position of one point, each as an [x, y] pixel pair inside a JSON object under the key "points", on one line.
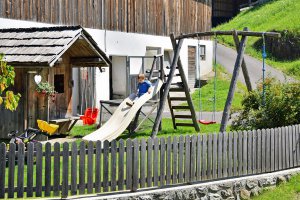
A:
{"points": [[52, 53]]}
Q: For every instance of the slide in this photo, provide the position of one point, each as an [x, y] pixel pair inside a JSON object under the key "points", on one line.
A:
{"points": [[122, 117]]}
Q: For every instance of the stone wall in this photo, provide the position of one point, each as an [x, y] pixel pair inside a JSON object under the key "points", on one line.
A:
{"points": [[238, 188], [231, 190]]}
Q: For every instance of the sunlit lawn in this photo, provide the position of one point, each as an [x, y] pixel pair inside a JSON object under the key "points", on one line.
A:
{"points": [[288, 191], [222, 87], [145, 130]]}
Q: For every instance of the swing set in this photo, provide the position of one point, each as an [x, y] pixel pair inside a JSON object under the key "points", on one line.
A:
{"points": [[213, 120], [239, 63]]}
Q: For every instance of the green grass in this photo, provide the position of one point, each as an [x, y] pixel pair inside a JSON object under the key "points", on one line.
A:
{"points": [[278, 15], [288, 191], [145, 130], [168, 130], [81, 131], [222, 87], [143, 133]]}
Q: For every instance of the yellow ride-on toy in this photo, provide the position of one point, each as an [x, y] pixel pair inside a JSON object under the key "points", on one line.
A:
{"points": [[29, 134]]}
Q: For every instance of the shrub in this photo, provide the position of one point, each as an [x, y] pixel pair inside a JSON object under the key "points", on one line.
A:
{"points": [[281, 108], [7, 77]]}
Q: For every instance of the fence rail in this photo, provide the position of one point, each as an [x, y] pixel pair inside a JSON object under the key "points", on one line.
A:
{"points": [[71, 168]]}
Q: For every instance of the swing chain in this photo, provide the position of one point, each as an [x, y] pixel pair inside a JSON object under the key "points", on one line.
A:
{"points": [[215, 77], [199, 84], [264, 56]]}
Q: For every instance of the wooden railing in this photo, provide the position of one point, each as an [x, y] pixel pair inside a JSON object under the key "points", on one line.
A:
{"points": [[71, 168]]}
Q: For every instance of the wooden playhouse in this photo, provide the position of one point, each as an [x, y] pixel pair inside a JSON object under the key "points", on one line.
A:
{"points": [[52, 53]]}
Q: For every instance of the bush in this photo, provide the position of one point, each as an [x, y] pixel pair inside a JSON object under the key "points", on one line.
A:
{"points": [[7, 77], [282, 107]]}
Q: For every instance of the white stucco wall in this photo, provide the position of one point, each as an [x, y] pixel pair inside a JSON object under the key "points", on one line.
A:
{"points": [[126, 44]]}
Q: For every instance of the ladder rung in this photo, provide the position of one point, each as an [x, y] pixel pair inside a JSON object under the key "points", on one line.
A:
{"points": [[178, 98], [168, 67], [174, 75], [183, 116], [154, 71], [176, 89], [153, 78], [184, 124], [181, 107], [178, 83]]}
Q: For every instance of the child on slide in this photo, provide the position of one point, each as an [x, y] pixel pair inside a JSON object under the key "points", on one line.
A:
{"points": [[143, 87]]}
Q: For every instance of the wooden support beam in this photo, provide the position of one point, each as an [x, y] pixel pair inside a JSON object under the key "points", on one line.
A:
{"points": [[172, 112], [233, 83], [152, 68], [166, 88], [244, 66], [242, 33], [145, 117], [134, 124]]}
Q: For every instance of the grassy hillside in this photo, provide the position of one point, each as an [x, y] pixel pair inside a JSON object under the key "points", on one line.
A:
{"points": [[278, 15]]}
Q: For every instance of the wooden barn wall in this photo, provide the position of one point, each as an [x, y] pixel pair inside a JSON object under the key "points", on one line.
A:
{"points": [[156, 17]]}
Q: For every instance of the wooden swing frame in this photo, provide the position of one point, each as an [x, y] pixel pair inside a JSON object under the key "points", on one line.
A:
{"points": [[240, 46]]}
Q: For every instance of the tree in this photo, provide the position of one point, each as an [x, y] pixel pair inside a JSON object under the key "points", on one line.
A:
{"points": [[7, 77]]}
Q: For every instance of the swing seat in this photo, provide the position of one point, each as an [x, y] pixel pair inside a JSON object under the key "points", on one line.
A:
{"points": [[90, 116], [202, 121]]}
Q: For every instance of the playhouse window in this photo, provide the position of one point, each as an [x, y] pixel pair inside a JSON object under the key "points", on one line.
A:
{"points": [[202, 52], [59, 85]]}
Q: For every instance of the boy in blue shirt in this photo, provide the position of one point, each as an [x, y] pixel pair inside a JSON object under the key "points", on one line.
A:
{"points": [[143, 87]]}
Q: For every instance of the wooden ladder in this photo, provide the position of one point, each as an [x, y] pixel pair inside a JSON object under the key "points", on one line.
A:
{"points": [[181, 88], [169, 87]]}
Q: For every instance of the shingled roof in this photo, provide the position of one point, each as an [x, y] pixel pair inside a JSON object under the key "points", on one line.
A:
{"points": [[44, 46]]}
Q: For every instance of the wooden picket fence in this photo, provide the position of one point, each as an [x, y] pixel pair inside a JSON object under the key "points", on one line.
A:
{"points": [[71, 168]]}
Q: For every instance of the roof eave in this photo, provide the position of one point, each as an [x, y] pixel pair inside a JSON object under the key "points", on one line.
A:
{"points": [[28, 64], [95, 45]]}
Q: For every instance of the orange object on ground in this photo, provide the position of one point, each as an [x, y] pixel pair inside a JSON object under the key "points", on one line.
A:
{"points": [[90, 116]]}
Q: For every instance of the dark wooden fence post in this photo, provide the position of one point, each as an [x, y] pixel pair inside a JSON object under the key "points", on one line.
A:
{"points": [[90, 167], [29, 161], [135, 165], [48, 169], [106, 166], [56, 171], [11, 169], [129, 164], [21, 155], [2, 169], [65, 174], [74, 169], [39, 169]]}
